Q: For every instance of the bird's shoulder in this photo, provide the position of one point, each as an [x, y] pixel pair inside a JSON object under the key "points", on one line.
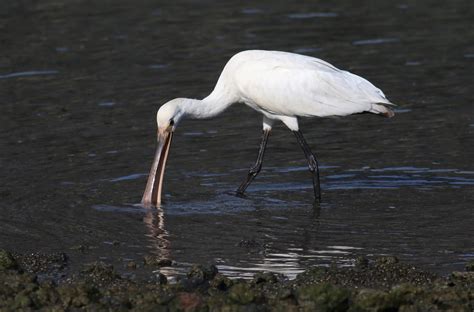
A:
{"points": [[278, 60]]}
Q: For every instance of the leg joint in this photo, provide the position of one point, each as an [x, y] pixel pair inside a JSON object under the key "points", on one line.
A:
{"points": [[312, 163], [255, 170]]}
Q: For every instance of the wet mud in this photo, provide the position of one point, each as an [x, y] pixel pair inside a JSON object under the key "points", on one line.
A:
{"points": [[80, 84], [31, 281]]}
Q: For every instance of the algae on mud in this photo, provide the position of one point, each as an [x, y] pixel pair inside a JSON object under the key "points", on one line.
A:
{"points": [[381, 285]]}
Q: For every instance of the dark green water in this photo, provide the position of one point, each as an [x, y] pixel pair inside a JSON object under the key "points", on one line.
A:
{"points": [[80, 83]]}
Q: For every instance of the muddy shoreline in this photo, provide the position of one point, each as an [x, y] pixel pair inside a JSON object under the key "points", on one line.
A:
{"points": [[45, 281], [80, 84]]}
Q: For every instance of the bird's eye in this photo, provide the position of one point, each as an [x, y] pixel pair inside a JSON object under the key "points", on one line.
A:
{"points": [[171, 122]]}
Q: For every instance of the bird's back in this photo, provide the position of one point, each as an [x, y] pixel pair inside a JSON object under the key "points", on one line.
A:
{"points": [[290, 84]]}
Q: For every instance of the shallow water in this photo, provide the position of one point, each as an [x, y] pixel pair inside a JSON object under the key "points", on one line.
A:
{"points": [[80, 83]]}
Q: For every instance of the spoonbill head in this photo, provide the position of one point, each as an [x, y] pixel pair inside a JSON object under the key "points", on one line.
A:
{"points": [[283, 87]]}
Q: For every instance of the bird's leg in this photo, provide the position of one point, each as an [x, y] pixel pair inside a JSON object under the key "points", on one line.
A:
{"points": [[255, 169], [312, 163]]}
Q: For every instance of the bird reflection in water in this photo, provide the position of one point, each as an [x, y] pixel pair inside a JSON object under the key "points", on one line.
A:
{"points": [[154, 220]]}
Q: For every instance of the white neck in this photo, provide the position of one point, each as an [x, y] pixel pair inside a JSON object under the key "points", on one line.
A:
{"points": [[214, 104]]}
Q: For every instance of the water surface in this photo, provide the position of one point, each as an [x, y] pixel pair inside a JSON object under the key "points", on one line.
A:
{"points": [[80, 83]]}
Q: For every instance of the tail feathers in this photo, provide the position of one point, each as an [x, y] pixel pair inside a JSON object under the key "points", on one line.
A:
{"points": [[382, 109]]}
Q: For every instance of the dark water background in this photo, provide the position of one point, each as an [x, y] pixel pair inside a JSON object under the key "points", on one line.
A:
{"points": [[80, 83]]}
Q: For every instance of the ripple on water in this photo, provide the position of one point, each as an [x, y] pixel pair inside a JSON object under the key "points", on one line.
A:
{"points": [[307, 15], [357, 178], [366, 178], [158, 66], [251, 11], [398, 177], [375, 41], [106, 104], [29, 73], [305, 50], [401, 110], [132, 176], [127, 208]]}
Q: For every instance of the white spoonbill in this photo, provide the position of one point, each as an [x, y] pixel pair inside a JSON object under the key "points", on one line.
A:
{"points": [[280, 85]]}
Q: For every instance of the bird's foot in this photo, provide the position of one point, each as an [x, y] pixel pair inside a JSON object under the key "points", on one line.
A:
{"points": [[240, 194], [317, 201]]}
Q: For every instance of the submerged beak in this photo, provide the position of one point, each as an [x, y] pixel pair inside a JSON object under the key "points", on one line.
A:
{"points": [[152, 194]]}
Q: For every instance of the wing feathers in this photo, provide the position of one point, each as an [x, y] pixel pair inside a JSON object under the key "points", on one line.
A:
{"points": [[295, 85]]}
